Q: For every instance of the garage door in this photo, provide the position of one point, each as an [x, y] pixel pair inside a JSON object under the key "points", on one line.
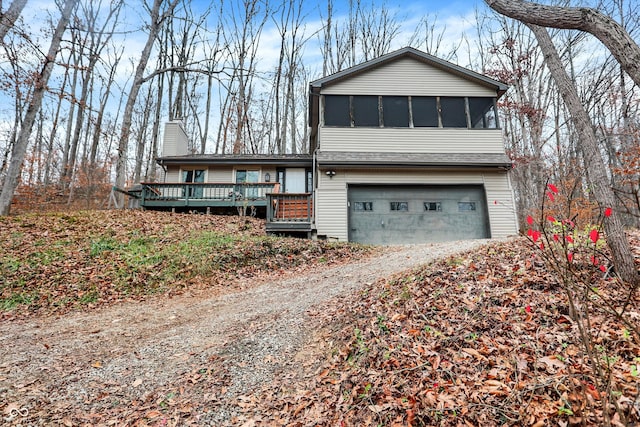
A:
{"points": [[416, 214]]}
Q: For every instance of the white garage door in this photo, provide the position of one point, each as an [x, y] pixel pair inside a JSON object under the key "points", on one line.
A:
{"points": [[417, 214]]}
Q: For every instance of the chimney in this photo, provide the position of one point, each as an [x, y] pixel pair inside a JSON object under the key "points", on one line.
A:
{"points": [[175, 141]]}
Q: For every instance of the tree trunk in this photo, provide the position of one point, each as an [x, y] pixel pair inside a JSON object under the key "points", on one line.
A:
{"points": [[609, 32], [22, 142], [8, 19], [594, 164], [123, 142]]}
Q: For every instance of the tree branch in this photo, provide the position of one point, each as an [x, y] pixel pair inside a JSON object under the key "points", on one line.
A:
{"points": [[604, 28]]}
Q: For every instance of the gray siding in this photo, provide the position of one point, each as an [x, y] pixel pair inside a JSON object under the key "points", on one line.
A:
{"points": [[411, 140], [331, 196], [175, 141], [408, 76]]}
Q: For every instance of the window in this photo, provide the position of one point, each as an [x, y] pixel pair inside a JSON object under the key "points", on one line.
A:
{"points": [[246, 177], [365, 110], [336, 110], [452, 111], [193, 176], [482, 113], [400, 206], [363, 206], [425, 111], [395, 111], [433, 206], [466, 206]]}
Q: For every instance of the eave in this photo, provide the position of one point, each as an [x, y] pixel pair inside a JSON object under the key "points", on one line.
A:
{"points": [[356, 160]]}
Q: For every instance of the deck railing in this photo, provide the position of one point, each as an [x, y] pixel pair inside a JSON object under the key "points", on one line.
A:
{"points": [[186, 193], [289, 207]]}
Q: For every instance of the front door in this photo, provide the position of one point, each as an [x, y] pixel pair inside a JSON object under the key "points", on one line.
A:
{"points": [[295, 180]]}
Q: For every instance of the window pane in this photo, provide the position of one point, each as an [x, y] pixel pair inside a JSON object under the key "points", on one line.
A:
{"points": [[466, 206], [395, 111], [400, 206], [483, 114], [453, 112], [241, 176], [336, 110], [365, 111], [433, 206], [363, 206], [198, 176], [425, 111]]}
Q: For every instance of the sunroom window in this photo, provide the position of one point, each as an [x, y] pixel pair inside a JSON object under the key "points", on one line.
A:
{"points": [[482, 113], [395, 111], [425, 111], [337, 110], [365, 110], [453, 112]]}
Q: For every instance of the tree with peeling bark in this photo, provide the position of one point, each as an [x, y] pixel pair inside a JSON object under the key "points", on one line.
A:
{"points": [[40, 86], [583, 19]]}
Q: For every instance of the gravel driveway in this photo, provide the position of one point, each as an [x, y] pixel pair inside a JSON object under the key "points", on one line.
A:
{"points": [[55, 366]]}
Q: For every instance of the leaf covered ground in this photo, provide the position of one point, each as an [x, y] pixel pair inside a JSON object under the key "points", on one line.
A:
{"points": [[56, 262], [483, 339]]}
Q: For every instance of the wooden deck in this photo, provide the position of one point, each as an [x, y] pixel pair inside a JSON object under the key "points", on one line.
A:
{"points": [[285, 212]]}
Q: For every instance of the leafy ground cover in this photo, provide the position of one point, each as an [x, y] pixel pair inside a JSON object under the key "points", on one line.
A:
{"points": [[483, 339], [55, 262]]}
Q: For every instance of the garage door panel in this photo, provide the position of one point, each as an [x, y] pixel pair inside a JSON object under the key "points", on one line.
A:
{"points": [[416, 214]]}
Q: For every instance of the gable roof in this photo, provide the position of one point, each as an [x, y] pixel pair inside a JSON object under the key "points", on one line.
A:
{"points": [[417, 55]]}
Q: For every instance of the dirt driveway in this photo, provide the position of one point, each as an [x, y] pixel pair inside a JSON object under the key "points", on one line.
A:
{"points": [[100, 366]]}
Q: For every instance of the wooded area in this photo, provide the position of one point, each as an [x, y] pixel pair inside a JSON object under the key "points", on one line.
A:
{"points": [[217, 69]]}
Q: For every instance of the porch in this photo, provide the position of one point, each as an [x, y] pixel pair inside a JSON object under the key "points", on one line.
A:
{"points": [[195, 195], [284, 212]]}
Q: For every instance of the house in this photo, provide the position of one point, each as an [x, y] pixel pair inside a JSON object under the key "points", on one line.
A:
{"points": [[406, 148]]}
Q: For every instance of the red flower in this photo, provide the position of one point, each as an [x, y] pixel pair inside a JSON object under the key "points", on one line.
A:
{"points": [[555, 238], [528, 308], [569, 239], [594, 260], [535, 235], [551, 196], [551, 219], [594, 235], [570, 257], [553, 188], [529, 220], [607, 212], [603, 268]]}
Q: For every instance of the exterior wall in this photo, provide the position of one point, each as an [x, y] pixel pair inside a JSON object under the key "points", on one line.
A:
{"points": [[407, 76], [331, 196], [175, 141], [220, 174], [173, 174], [411, 140]]}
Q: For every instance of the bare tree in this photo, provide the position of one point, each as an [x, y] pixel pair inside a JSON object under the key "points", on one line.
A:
{"points": [[8, 18], [597, 172], [156, 19], [613, 35], [22, 141]]}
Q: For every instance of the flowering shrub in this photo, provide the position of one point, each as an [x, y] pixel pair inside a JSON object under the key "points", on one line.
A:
{"points": [[579, 257], [563, 243]]}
